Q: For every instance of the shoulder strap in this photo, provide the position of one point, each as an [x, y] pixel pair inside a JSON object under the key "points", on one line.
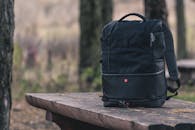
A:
{"points": [[171, 61]]}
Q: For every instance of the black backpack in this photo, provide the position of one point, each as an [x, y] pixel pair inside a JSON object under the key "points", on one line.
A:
{"points": [[133, 63]]}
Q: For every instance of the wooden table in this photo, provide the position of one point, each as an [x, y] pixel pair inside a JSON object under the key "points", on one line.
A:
{"points": [[187, 70], [84, 111]]}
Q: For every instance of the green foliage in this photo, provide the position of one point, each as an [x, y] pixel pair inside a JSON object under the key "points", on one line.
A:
{"points": [[187, 93], [30, 86], [26, 86], [187, 97], [18, 56], [190, 41], [92, 79], [59, 84]]}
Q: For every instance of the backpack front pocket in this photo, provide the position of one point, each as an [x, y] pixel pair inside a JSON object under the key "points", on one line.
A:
{"points": [[135, 86]]}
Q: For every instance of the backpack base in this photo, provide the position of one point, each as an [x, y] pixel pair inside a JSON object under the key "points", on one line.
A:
{"points": [[135, 103]]}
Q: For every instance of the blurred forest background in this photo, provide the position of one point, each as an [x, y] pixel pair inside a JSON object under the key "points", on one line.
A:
{"points": [[46, 52]]}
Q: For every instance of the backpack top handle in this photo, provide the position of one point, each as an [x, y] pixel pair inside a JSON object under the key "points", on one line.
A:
{"points": [[134, 14]]}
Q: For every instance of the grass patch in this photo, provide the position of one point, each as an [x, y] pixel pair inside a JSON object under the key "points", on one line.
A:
{"points": [[187, 93]]}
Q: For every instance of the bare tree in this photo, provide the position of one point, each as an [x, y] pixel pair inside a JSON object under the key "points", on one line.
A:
{"points": [[106, 10], [6, 52], [93, 14], [156, 9], [181, 30]]}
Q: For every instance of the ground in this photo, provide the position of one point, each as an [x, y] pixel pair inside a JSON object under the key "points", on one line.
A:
{"points": [[26, 117]]}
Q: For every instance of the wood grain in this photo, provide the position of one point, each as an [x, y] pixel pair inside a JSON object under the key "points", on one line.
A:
{"points": [[186, 64], [88, 107]]}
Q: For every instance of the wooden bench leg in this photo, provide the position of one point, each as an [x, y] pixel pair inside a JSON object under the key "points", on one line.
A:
{"points": [[66, 123]]}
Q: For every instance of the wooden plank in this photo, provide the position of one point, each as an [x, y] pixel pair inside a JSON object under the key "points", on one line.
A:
{"points": [[186, 64], [88, 107]]}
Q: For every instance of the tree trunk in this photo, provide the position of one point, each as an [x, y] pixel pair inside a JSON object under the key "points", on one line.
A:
{"points": [[49, 60], [93, 14], [181, 30], [107, 11], [90, 24], [156, 9], [6, 52]]}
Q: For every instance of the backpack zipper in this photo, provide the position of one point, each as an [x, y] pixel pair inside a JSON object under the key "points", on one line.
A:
{"points": [[152, 39], [138, 74]]}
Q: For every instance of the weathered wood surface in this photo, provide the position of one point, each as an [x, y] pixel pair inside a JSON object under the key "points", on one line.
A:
{"points": [[186, 64], [88, 107]]}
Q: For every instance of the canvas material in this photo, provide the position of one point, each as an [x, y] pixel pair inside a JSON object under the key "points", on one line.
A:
{"points": [[133, 62]]}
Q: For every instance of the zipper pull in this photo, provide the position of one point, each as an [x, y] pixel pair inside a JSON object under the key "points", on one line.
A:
{"points": [[152, 39]]}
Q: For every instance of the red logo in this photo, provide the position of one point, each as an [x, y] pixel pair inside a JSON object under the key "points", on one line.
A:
{"points": [[125, 81]]}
